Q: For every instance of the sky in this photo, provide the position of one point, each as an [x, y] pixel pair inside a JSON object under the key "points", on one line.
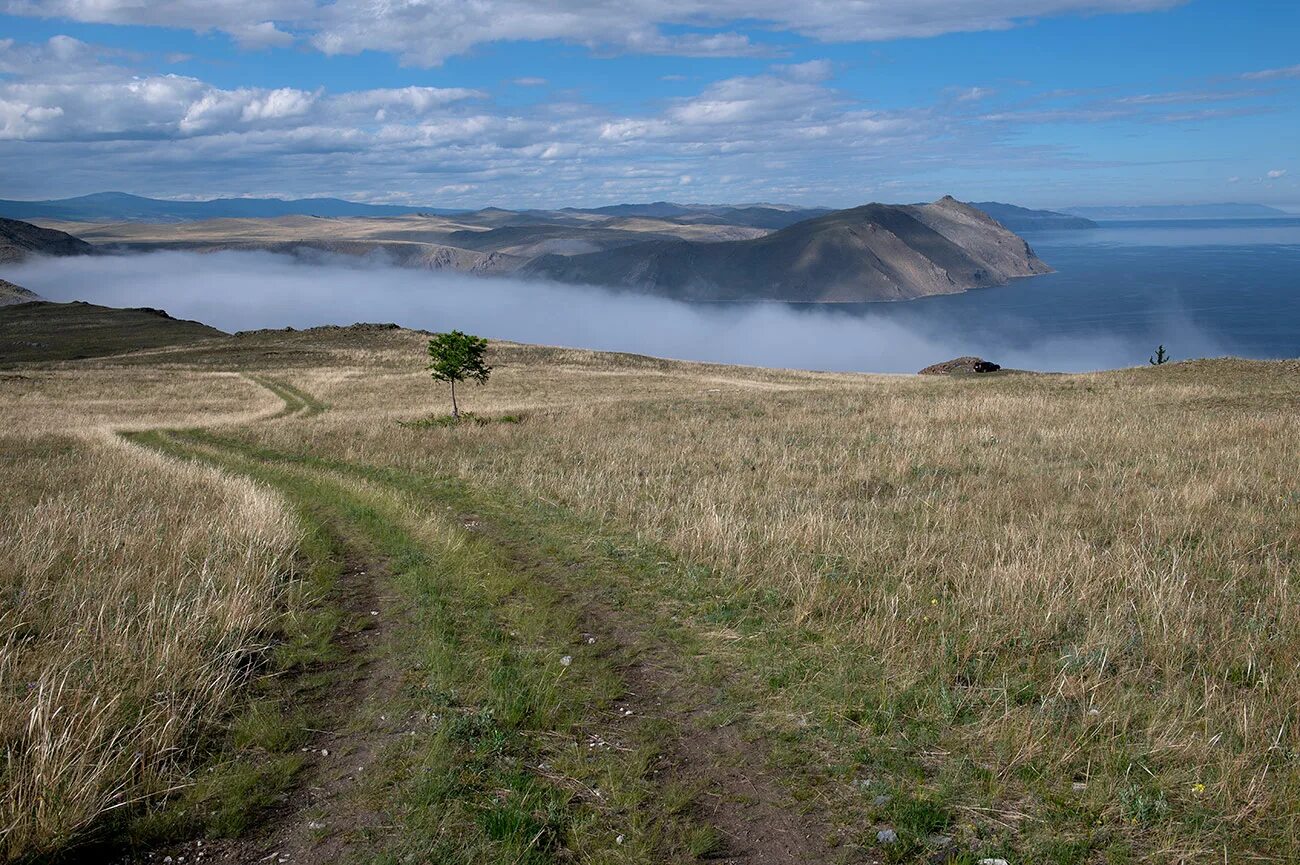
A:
{"points": [[509, 103]]}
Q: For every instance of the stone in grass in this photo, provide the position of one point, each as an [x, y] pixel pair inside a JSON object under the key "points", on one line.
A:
{"points": [[887, 836], [993, 862]]}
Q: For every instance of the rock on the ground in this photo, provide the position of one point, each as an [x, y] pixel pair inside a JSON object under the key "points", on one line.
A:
{"points": [[887, 836], [962, 366]]}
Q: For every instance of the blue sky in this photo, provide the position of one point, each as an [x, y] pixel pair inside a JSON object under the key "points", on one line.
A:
{"points": [[1046, 103]]}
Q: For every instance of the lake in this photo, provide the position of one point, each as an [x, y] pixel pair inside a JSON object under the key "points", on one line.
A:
{"points": [[1219, 286]]}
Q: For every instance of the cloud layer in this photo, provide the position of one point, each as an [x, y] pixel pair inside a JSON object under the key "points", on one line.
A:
{"points": [[426, 32], [234, 291], [99, 118]]}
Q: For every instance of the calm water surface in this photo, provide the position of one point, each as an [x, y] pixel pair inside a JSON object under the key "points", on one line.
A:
{"points": [[1216, 286]]}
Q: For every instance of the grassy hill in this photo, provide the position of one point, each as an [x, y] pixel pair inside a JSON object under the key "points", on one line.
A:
{"points": [[649, 611], [41, 330]]}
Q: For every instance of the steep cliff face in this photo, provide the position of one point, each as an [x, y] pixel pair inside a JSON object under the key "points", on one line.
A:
{"points": [[869, 253]]}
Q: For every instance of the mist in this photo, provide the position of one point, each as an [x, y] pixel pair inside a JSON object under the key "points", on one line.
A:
{"points": [[251, 290]]}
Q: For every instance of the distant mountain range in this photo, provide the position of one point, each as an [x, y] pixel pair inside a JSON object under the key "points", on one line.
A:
{"points": [[115, 206], [1181, 211], [870, 253], [1024, 219], [692, 252], [123, 206]]}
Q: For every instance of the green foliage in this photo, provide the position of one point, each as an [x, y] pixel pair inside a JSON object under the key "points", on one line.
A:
{"points": [[1159, 358], [457, 356], [1143, 806]]}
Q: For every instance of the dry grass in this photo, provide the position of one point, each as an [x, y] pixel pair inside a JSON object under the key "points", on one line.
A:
{"points": [[134, 590], [1063, 601], [1057, 581]]}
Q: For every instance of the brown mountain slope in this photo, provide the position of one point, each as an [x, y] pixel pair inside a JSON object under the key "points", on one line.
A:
{"points": [[21, 239], [11, 294], [874, 252]]}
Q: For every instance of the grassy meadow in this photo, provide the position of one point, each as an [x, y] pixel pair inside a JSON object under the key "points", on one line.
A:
{"points": [[1040, 618]]}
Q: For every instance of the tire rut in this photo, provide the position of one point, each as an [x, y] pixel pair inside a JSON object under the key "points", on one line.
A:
{"points": [[737, 794]]}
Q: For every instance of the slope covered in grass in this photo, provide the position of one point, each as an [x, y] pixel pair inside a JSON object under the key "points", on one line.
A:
{"points": [[1047, 618]]}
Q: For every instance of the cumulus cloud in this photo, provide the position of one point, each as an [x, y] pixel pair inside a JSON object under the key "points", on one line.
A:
{"points": [[66, 90], [426, 32], [96, 118], [1277, 174], [82, 113]]}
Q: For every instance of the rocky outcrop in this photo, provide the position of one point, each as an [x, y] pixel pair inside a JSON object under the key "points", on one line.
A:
{"points": [[961, 366], [11, 294]]}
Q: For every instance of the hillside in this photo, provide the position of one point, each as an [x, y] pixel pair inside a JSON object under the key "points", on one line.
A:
{"points": [[648, 611], [11, 294], [40, 330], [18, 240], [869, 253]]}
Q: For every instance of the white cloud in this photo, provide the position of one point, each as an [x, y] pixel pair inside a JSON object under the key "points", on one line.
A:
{"points": [[1272, 74], [66, 91], [1277, 174], [973, 94], [426, 32], [530, 82], [261, 35]]}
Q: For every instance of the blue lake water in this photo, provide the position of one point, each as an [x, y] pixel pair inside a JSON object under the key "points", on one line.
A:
{"points": [[1202, 287]]}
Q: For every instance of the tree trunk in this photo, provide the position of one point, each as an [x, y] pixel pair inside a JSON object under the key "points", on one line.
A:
{"points": [[455, 411]]}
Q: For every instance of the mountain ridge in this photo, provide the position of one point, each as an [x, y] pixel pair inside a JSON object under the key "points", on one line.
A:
{"points": [[868, 253]]}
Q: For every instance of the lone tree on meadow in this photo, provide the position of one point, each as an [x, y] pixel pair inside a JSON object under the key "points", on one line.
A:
{"points": [[455, 357]]}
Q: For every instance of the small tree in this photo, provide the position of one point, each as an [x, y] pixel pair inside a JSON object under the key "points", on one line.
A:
{"points": [[455, 357], [1159, 358]]}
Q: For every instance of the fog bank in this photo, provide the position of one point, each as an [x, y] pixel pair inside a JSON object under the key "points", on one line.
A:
{"points": [[248, 290]]}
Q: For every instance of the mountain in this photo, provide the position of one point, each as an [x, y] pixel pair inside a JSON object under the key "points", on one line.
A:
{"points": [[21, 239], [754, 216], [1024, 219], [1182, 211], [11, 294], [108, 206], [869, 253]]}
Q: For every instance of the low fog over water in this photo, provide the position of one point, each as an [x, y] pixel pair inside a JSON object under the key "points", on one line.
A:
{"points": [[243, 290]]}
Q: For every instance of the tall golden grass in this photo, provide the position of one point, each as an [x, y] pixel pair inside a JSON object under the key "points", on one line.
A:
{"points": [[1087, 580], [1082, 589], [133, 591]]}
